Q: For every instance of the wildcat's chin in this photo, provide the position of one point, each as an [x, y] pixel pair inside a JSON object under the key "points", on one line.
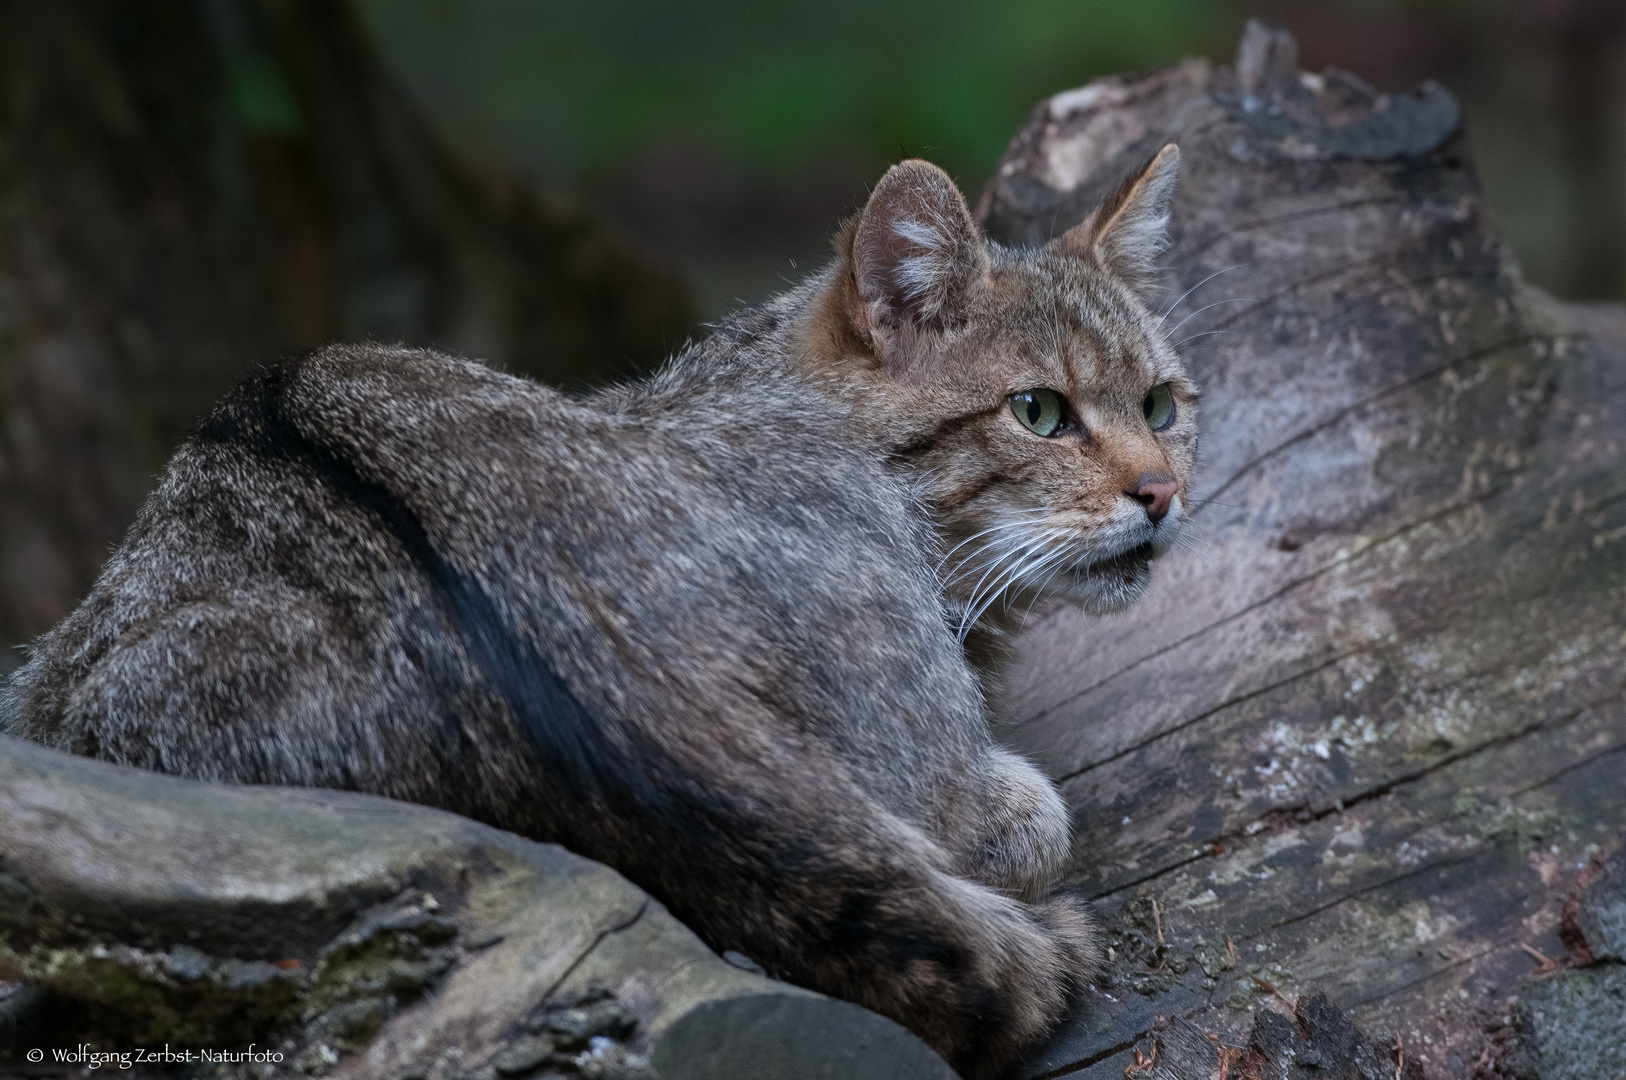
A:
{"points": [[1110, 585]]}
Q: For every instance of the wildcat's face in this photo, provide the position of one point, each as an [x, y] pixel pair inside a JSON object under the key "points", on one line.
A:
{"points": [[1051, 424], [1069, 430]]}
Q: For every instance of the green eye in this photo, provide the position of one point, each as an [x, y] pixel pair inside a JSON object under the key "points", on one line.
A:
{"points": [[1038, 410], [1159, 407]]}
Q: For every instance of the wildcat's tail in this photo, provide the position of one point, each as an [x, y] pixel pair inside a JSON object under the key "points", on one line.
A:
{"points": [[841, 896]]}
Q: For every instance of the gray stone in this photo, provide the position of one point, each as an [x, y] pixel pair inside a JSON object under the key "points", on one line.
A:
{"points": [[743, 962], [186, 962], [524, 1056], [1571, 1026], [764, 1037], [135, 901], [1602, 918], [576, 1026]]}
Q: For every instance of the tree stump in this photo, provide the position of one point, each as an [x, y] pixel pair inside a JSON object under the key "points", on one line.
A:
{"points": [[1365, 733]]}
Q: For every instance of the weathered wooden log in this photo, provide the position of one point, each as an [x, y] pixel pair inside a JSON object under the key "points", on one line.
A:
{"points": [[371, 939], [1368, 728]]}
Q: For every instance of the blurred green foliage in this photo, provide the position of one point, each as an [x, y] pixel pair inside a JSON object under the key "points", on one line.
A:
{"points": [[728, 135], [575, 87]]}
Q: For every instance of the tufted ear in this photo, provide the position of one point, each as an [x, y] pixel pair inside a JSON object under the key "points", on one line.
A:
{"points": [[1130, 230], [915, 252]]}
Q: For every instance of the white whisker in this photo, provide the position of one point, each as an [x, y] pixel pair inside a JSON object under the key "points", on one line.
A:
{"points": [[984, 559], [1193, 289], [1033, 554], [1202, 549], [976, 591], [973, 608], [970, 539], [1066, 559], [1026, 522], [1050, 565], [1194, 337], [1176, 328]]}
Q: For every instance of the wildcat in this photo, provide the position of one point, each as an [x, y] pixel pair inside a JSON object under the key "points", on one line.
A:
{"points": [[711, 628]]}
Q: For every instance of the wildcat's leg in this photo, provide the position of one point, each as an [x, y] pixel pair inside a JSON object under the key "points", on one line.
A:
{"points": [[786, 859], [1025, 830]]}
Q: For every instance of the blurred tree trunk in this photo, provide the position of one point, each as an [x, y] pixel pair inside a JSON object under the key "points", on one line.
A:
{"points": [[190, 188]]}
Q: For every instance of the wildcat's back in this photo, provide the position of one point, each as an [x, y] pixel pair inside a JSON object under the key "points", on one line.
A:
{"points": [[373, 537]]}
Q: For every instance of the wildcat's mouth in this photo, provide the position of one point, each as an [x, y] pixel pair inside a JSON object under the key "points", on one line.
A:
{"points": [[1099, 585], [1134, 559]]}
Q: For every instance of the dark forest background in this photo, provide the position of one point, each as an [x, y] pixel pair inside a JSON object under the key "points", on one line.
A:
{"points": [[729, 136]]}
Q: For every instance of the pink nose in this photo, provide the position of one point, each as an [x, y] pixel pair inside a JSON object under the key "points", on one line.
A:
{"points": [[1155, 493]]}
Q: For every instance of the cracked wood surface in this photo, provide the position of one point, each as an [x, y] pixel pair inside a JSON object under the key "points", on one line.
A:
{"points": [[1371, 718]]}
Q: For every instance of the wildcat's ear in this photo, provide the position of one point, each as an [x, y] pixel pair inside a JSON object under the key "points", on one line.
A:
{"points": [[1130, 230], [915, 252]]}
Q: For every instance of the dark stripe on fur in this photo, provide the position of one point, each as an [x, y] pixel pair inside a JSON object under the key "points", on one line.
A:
{"points": [[924, 443], [982, 485], [568, 741]]}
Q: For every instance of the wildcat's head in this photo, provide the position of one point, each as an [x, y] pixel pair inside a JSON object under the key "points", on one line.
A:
{"points": [[1051, 424]]}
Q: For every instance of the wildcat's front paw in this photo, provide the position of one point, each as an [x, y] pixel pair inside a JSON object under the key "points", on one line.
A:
{"points": [[1026, 830]]}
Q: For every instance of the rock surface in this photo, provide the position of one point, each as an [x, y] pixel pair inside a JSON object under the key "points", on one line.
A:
{"points": [[1568, 1025], [360, 937]]}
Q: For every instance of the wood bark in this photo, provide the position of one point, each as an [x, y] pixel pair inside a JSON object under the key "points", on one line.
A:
{"points": [[1366, 733], [188, 189]]}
